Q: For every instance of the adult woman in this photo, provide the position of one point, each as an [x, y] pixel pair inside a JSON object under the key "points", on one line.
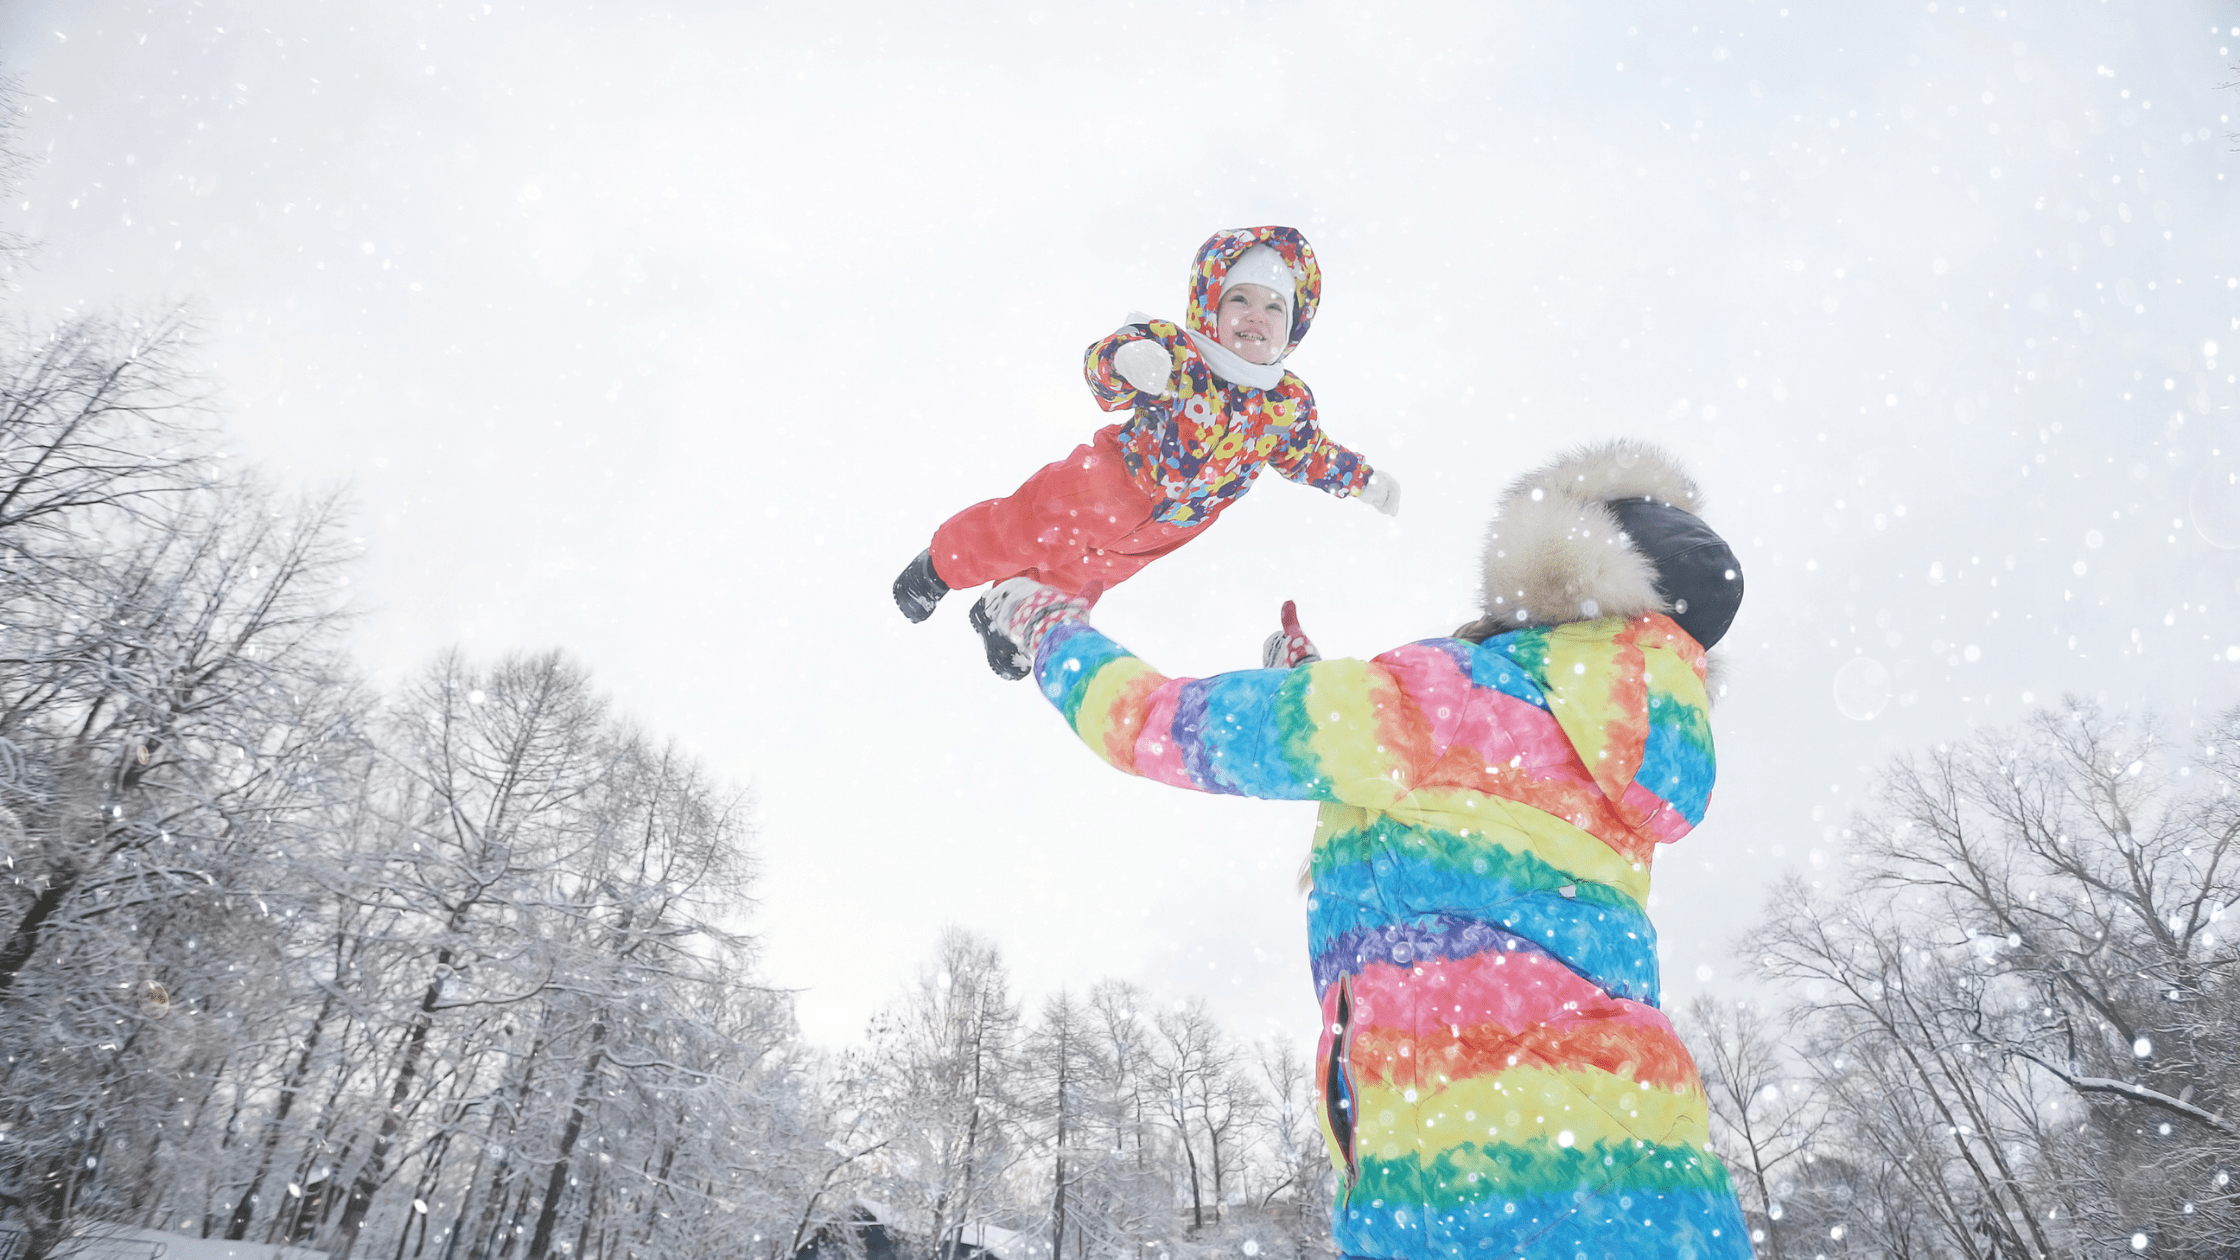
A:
{"points": [[1496, 1077]]}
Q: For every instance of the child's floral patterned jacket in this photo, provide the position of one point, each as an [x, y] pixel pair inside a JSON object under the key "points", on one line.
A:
{"points": [[1197, 449]]}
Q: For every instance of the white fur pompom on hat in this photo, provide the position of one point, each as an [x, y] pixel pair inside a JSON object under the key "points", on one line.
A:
{"points": [[1556, 552]]}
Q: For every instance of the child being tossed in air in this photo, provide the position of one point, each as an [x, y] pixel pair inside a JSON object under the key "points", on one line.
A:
{"points": [[1213, 406]]}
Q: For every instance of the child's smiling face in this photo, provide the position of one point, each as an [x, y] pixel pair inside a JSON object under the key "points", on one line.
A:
{"points": [[1254, 322]]}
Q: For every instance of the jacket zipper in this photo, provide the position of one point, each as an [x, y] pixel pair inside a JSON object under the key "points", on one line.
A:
{"points": [[1337, 1082]]}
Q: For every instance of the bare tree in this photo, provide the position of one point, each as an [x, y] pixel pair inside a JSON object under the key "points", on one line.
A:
{"points": [[1765, 1119], [643, 903], [168, 696], [1059, 1068], [498, 761], [98, 420], [2022, 1030], [1299, 1181], [944, 1058], [1196, 1100], [1125, 1185]]}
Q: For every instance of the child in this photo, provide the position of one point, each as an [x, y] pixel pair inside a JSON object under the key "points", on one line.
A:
{"points": [[1213, 405], [1495, 1076]]}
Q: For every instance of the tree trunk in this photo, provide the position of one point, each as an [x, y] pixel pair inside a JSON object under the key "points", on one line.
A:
{"points": [[372, 1174], [501, 1178], [510, 1233], [238, 1225], [24, 941], [540, 1243], [1058, 1195], [431, 1173], [1197, 1203], [1213, 1146], [591, 1201], [466, 1199]]}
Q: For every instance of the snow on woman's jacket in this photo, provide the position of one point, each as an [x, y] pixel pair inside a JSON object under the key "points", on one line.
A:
{"points": [[1199, 447], [1496, 1078]]}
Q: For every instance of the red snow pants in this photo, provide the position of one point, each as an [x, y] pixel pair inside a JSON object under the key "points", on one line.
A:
{"points": [[1080, 524]]}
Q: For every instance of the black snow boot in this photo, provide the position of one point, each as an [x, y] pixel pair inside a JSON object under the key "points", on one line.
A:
{"points": [[1004, 656], [919, 588]]}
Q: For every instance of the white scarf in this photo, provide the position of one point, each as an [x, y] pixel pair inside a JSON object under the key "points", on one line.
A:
{"points": [[1233, 367], [1227, 364]]}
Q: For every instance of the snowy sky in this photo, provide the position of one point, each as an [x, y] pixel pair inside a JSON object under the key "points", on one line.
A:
{"points": [[666, 334]]}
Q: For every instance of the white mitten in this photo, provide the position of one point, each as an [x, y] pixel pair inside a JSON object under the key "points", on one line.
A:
{"points": [[1147, 365], [1382, 493]]}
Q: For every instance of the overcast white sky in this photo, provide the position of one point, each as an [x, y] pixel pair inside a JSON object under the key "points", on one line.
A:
{"points": [[667, 334]]}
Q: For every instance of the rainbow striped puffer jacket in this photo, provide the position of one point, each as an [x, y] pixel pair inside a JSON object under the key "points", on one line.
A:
{"points": [[1495, 1076]]}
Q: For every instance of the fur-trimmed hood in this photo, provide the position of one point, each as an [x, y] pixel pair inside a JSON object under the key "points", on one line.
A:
{"points": [[1557, 552]]}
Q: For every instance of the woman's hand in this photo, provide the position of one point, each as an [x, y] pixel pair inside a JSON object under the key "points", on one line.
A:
{"points": [[1289, 647], [1025, 611]]}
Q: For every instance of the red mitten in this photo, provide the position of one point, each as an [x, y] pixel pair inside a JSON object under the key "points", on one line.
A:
{"points": [[1289, 647]]}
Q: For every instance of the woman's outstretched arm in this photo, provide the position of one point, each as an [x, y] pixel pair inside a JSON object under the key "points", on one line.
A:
{"points": [[1341, 730]]}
